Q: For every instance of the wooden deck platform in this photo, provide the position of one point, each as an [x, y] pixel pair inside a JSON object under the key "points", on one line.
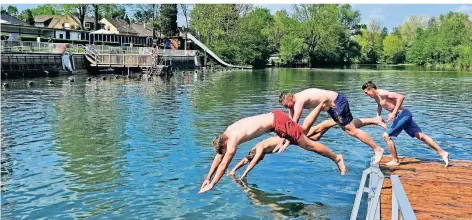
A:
{"points": [[434, 191]]}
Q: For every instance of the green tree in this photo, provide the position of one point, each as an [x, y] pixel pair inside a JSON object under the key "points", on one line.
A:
{"points": [[319, 27], [78, 10], [29, 17], [96, 15], [185, 9], [168, 19], [348, 48], [394, 49], [107, 11], [283, 25], [370, 41], [252, 38], [211, 22], [46, 9], [409, 29], [148, 14], [327, 32], [445, 41], [12, 10]]}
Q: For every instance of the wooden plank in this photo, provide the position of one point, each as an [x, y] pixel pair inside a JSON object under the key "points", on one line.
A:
{"points": [[434, 191]]}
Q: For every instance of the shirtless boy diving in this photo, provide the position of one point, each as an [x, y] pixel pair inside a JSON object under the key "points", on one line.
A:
{"points": [[402, 120], [272, 144], [338, 110], [255, 126]]}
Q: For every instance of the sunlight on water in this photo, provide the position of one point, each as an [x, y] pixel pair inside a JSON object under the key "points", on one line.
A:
{"points": [[132, 149]]}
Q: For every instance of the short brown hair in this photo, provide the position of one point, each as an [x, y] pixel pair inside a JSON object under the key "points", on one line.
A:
{"points": [[369, 84], [252, 154], [284, 95], [219, 143]]}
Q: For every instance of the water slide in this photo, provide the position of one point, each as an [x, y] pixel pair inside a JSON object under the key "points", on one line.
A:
{"points": [[209, 52], [67, 65]]}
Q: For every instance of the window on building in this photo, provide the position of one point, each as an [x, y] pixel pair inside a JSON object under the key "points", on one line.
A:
{"points": [[61, 36], [66, 25], [87, 25]]}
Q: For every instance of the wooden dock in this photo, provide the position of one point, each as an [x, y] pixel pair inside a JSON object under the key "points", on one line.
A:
{"points": [[434, 191]]}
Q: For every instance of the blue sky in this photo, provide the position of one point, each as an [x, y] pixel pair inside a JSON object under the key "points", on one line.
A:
{"points": [[390, 15]]}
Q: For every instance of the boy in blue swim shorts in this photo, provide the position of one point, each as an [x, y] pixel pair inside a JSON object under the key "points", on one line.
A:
{"points": [[337, 108], [401, 119]]}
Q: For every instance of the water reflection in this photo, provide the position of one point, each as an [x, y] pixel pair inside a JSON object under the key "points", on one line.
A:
{"points": [[283, 206], [120, 148]]}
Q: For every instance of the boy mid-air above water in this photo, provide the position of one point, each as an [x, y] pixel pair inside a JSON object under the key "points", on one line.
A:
{"points": [[255, 126], [339, 112], [274, 144], [402, 120]]}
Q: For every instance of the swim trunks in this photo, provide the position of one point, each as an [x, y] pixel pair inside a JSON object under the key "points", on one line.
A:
{"points": [[284, 127], [403, 121], [341, 113]]}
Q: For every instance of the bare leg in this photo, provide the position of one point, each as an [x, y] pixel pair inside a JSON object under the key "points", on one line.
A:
{"points": [[391, 146], [317, 131], [364, 137], [427, 140], [310, 119], [322, 150], [361, 122]]}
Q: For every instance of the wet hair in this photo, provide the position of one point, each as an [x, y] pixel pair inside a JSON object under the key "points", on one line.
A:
{"points": [[369, 84], [219, 143], [252, 154], [284, 95]]}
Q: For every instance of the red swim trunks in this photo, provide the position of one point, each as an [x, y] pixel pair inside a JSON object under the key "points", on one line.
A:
{"points": [[284, 127]]}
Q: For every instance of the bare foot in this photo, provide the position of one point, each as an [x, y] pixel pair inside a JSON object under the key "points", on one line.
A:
{"points": [[445, 157], [393, 163], [341, 166], [378, 155]]}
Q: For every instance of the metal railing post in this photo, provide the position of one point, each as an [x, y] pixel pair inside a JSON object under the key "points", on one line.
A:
{"points": [[400, 201]]}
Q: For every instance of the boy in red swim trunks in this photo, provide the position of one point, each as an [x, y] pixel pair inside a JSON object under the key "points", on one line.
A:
{"points": [[255, 126], [273, 144]]}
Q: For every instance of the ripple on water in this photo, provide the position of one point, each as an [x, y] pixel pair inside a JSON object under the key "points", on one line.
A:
{"points": [[135, 149]]}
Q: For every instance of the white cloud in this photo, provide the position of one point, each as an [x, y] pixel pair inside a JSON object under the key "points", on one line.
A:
{"points": [[464, 8], [374, 14], [467, 9]]}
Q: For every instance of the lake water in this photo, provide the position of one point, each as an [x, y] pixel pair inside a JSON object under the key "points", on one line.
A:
{"points": [[130, 149]]}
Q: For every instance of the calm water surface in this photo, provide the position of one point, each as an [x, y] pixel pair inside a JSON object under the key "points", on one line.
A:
{"points": [[139, 150]]}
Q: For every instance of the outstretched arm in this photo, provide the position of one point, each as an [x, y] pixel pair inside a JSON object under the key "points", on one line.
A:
{"points": [[213, 167], [230, 151], [379, 110], [290, 113], [259, 152], [281, 146], [297, 112], [241, 163]]}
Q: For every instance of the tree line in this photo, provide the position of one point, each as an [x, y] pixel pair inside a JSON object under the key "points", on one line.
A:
{"points": [[312, 34], [320, 35]]}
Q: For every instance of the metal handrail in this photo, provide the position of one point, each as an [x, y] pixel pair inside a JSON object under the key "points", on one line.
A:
{"points": [[400, 201], [376, 180], [45, 47]]}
